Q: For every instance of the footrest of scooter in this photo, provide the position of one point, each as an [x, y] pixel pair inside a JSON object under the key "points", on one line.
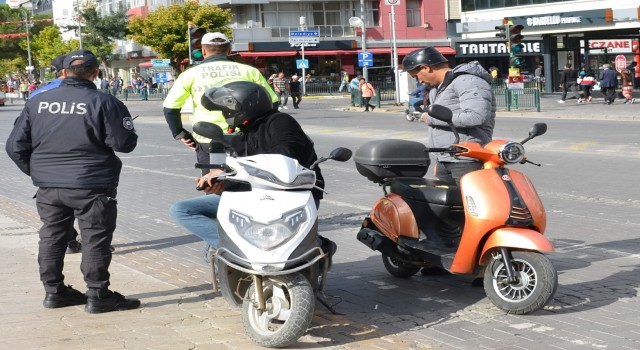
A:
{"points": [[428, 250]]}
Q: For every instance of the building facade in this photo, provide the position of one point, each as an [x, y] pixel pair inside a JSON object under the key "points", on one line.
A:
{"points": [[557, 32], [261, 33]]}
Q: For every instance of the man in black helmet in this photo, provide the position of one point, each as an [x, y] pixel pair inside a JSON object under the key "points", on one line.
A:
{"points": [[263, 130], [466, 90]]}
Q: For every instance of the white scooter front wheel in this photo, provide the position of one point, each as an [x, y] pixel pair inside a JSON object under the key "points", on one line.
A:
{"points": [[290, 304]]}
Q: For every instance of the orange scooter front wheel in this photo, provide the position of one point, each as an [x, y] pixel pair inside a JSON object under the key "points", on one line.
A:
{"points": [[536, 282]]}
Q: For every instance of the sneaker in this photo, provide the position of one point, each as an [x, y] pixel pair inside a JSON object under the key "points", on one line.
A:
{"points": [[329, 247], [580, 100], [633, 100], [285, 107], [110, 301], [279, 108], [561, 101], [372, 108], [74, 247], [68, 297]]}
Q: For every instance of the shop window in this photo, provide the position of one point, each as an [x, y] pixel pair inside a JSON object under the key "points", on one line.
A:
{"points": [[414, 13], [372, 10]]}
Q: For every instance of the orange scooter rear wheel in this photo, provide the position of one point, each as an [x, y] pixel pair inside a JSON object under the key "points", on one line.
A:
{"points": [[398, 268], [537, 281]]}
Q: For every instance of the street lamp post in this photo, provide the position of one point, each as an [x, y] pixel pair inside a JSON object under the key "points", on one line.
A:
{"points": [[363, 18], [26, 23], [303, 26]]}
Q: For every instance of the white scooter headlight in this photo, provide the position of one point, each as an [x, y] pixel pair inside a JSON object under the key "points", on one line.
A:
{"points": [[270, 235]]}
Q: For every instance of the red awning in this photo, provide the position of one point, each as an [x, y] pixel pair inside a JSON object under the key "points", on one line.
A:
{"points": [[146, 64], [402, 51], [267, 53]]}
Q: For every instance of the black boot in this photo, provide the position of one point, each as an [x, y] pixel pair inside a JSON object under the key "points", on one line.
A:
{"points": [[107, 301], [67, 297]]}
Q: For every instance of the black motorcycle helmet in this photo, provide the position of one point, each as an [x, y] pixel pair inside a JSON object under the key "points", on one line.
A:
{"points": [[428, 56], [239, 101]]}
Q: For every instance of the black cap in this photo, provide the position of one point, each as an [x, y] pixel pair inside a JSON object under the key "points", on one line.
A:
{"points": [[88, 58], [56, 63]]}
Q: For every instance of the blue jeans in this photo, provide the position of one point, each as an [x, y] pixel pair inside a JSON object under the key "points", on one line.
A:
{"points": [[198, 215]]}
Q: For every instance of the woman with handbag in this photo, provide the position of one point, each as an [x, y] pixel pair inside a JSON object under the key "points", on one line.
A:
{"points": [[586, 80], [627, 86], [368, 92]]}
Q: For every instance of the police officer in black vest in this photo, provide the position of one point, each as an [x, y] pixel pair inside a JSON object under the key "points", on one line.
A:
{"points": [[66, 140]]}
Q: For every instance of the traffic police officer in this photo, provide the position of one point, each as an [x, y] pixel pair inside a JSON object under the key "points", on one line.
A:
{"points": [[216, 70], [66, 141]]}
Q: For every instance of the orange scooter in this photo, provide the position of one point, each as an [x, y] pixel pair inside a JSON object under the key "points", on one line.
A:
{"points": [[494, 222]]}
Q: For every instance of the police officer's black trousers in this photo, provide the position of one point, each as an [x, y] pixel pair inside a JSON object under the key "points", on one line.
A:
{"points": [[96, 211]]}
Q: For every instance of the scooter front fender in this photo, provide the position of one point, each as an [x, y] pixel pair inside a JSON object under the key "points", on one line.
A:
{"points": [[515, 238]]}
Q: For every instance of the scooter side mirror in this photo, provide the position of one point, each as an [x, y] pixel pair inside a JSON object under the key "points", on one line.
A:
{"points": [[536, 130], [210, 131], [341, 154], [441, 113]]}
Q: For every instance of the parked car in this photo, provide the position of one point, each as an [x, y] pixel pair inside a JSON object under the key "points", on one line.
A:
{"points": [[3, 98]]}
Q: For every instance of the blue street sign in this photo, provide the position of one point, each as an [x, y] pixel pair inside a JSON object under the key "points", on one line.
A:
{"points": [[161, 77], [300, 64], [365, 59], [305, 33]]}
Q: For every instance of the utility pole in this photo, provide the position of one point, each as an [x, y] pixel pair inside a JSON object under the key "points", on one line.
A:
{"points": [[363, 17]]}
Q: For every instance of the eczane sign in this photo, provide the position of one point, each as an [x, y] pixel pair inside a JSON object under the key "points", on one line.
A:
{"points": [[612, 46]]}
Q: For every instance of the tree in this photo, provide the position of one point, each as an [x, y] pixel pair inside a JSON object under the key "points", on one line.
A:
{"points": [[12, 23], [48, 44], [100, 32], [165, 29]]}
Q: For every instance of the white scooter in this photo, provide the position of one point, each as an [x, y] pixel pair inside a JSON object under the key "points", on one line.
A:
{"points": [[268, 260]]}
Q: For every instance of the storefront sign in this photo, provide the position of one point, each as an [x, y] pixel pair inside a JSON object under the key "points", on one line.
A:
{"points": [[497, 48], [562, 20], [612, 46]]}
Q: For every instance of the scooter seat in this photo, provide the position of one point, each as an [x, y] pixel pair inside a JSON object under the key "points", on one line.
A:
{"points": [[432, 191]]}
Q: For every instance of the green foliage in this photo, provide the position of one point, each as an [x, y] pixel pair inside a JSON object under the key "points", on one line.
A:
{"points": [[11, 67], [48, 44], [165, 29], [100, 32]]}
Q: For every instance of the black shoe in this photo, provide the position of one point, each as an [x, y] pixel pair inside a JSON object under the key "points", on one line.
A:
{"points": [[372, 108], [74, 247], [330, 248], [112, 301], [68, 297]]}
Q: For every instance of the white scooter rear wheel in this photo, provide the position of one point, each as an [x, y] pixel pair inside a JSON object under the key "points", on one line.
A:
{"points": [[290, 305], [536, 285]]}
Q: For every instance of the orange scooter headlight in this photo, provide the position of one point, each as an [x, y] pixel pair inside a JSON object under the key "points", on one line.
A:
{"points": [[511, 152]]}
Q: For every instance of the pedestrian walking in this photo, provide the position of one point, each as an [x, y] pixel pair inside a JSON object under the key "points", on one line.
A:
{"points": [[280, 85], [587, 81], [344, 82], [69, 153], [215, 70], [368, 92], [627, 86], [569, 81], [24, 89], [355, 84], [295, 88], [608, 83]]}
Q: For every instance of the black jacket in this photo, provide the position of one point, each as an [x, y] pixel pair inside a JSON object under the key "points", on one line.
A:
{"points": [[67, 137], [278, 133], [568, 76]]}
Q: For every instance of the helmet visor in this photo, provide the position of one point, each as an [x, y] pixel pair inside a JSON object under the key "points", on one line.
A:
{"points": [[222, 99]]}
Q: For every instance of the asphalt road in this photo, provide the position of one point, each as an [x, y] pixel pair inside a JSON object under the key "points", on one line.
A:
{"points": [[587, 182]]}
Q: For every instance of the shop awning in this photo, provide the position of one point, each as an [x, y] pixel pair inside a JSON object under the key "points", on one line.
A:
{"points": [[146, 64], [402, 51], [267, 53]]}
